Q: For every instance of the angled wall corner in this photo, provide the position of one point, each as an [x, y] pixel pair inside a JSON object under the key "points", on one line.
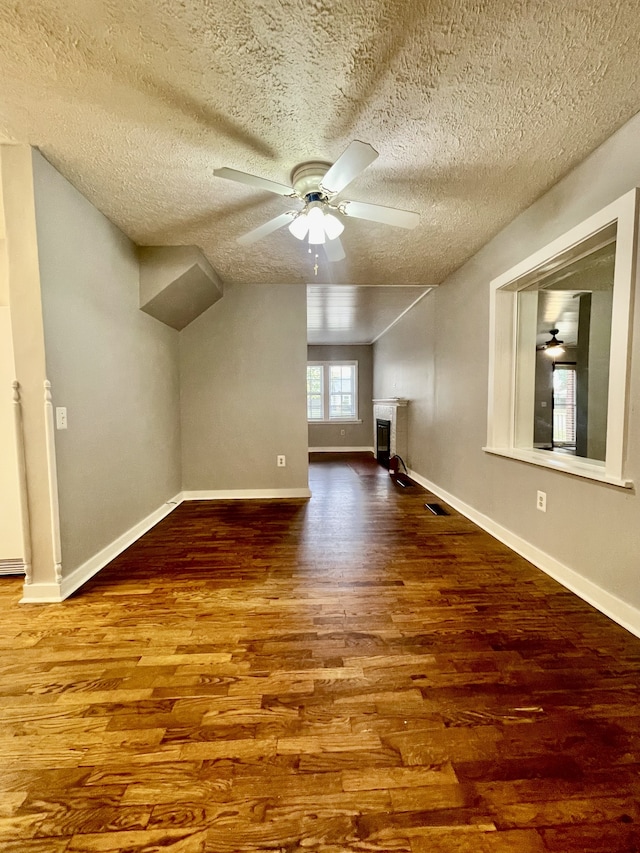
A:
{"points": [[177, 284]]}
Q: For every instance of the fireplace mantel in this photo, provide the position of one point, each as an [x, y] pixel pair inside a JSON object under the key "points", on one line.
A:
{"points": [[390, 401]]}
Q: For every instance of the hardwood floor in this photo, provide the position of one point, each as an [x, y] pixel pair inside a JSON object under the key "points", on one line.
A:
{"points": [[350, 673]]}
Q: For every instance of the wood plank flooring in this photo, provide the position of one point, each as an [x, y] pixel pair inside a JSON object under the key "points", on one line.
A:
{"points": [[350, 673]]}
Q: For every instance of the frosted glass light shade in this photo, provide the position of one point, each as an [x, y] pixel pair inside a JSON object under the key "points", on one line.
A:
{"points": [[300, 226], [315, 217], [332, 226]]}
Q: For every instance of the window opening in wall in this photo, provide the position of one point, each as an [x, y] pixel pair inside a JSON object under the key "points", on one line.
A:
{"points": [[560, 349], [566, 314], [332, 391], [574, 303]]}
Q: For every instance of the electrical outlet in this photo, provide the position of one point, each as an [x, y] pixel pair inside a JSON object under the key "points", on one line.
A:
{"points": [[541, 501], [281, 461], [341, 432], [61, 417]]}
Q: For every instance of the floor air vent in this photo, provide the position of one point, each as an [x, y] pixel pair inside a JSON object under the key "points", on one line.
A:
{"points": [[403, 480], [436, 509]]}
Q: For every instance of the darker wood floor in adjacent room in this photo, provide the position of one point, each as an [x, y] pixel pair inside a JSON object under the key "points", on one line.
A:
{"points": [[350, 673]]}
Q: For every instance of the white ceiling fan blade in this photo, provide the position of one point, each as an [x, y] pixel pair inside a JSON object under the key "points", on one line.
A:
{"points": [[334, 250], [378, 213], [254, 181], [268, 228], [348, 166]]}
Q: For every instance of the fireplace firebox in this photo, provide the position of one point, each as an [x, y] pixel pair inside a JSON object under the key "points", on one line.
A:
{"points": [[383, 441]]}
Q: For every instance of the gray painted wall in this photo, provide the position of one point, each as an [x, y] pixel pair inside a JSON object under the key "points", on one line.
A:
{"points": [[437, 356], [355, 435], [243, 389], [113, 367]]}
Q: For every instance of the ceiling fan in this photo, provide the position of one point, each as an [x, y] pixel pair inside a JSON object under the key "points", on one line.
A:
{"points": [[553, 346], [317, 184]]}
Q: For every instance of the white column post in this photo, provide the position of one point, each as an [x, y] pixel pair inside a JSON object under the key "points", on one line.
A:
{"points": [[22, 481]]}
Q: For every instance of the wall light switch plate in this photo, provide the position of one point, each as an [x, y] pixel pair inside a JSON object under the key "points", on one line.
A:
{"points": [[61, 417]]}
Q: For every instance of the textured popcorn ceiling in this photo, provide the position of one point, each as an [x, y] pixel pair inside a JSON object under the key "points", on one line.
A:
{"points": [[475, 107]]}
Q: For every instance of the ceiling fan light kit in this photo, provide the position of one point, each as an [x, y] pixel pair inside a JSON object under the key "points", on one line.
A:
{"points": [[315, 222], [316, 183]]}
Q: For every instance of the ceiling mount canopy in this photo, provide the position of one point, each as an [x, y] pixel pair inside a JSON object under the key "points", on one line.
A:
{"points": [[307, 178], [317, 183]]}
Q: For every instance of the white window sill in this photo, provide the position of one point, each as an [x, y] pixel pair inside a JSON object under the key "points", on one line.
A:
{"points": [[333, 421], [566, 464]]}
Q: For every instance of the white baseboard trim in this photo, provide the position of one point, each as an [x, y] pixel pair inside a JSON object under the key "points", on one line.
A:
{"points": [[615, 608], [12, 566], [48, 593], [244, 494], [341, 450]]}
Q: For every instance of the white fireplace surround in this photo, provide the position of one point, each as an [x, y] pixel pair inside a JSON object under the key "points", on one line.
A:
{"points": [[392, 409]]}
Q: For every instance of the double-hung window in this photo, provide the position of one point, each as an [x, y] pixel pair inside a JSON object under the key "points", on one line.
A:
{"points": [[332, 391]]}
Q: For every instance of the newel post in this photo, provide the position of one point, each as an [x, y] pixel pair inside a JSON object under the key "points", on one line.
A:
{"points": [[22, 481]]}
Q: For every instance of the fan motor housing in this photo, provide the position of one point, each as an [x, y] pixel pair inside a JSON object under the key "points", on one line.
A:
{"points": [[306, 177]]}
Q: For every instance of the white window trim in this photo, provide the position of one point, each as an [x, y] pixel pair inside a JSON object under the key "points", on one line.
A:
{"points": [[325, 392], [501, 415]]}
